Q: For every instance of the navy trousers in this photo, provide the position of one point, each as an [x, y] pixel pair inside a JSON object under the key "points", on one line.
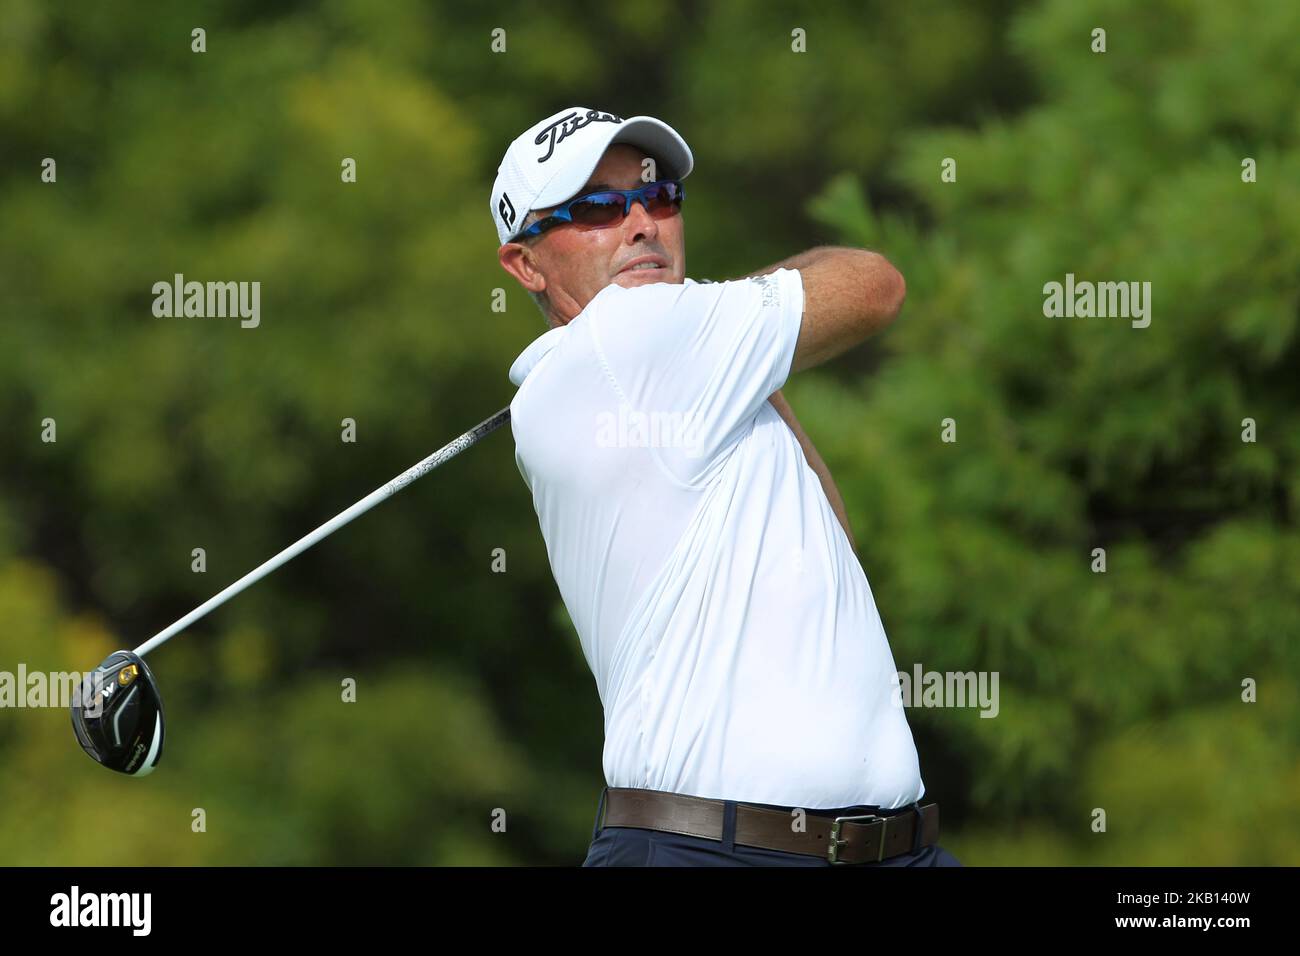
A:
{"points": [[632, 846]]}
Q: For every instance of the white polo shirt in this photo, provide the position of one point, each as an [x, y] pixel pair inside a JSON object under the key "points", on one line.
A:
{"points": [[731, 631]]}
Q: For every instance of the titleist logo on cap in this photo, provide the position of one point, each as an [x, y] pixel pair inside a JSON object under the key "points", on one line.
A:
{"points": [[554, 134]]}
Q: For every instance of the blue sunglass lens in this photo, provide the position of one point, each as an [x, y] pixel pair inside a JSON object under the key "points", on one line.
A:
{"points": [[603, 209]]}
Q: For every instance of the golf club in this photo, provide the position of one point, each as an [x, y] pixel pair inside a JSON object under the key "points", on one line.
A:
{"points": [[118, 716]]}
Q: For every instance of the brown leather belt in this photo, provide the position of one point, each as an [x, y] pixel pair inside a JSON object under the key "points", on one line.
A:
{"points": [[864, 838]]}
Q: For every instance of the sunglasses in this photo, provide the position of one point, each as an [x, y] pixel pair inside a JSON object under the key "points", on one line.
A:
{"points": [[661, 199]]}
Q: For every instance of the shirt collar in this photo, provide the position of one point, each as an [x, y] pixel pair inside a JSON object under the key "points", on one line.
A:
{"points": [[530, 356]]}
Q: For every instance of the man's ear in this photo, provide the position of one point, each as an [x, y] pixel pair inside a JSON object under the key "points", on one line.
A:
{"points": [[518, 260]]}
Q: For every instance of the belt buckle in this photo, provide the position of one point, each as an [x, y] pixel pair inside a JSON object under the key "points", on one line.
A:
{"points": [[833, 848]]}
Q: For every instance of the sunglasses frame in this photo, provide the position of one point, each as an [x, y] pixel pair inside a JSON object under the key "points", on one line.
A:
{"points": [[562, 213]]}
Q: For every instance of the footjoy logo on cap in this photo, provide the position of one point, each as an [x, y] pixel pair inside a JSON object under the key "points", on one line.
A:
{"points": [[507, 210], [554, 134]]}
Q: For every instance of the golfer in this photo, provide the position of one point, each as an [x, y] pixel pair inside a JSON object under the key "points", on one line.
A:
{"points": [[697, 539]]}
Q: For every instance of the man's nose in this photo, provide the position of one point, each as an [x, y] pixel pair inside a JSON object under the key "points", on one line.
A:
{"points": [[639, 224]]}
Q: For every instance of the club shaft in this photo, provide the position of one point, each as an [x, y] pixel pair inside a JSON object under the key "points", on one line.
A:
{"points": [[443, 454]]}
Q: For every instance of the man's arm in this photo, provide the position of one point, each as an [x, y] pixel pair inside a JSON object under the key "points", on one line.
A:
{"points": [[849, 295], [815, 463]]}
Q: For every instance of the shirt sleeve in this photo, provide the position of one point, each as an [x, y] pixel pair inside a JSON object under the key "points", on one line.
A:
{"points": [[700, 359]]}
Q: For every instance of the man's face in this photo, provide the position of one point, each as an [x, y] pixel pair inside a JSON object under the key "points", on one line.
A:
{"points": [[571, 263]]}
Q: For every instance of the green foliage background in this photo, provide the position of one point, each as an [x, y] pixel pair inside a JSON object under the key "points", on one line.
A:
{"points": [[1119, 691]]}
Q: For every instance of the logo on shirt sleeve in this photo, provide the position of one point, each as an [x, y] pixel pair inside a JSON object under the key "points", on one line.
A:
{"points": [[771, 290]]}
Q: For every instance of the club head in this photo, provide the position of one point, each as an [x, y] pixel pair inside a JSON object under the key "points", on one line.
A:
{"points": [[118, 715]]}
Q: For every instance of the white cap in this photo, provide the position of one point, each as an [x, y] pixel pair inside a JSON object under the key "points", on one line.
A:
{"points": [[552, 161]]}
